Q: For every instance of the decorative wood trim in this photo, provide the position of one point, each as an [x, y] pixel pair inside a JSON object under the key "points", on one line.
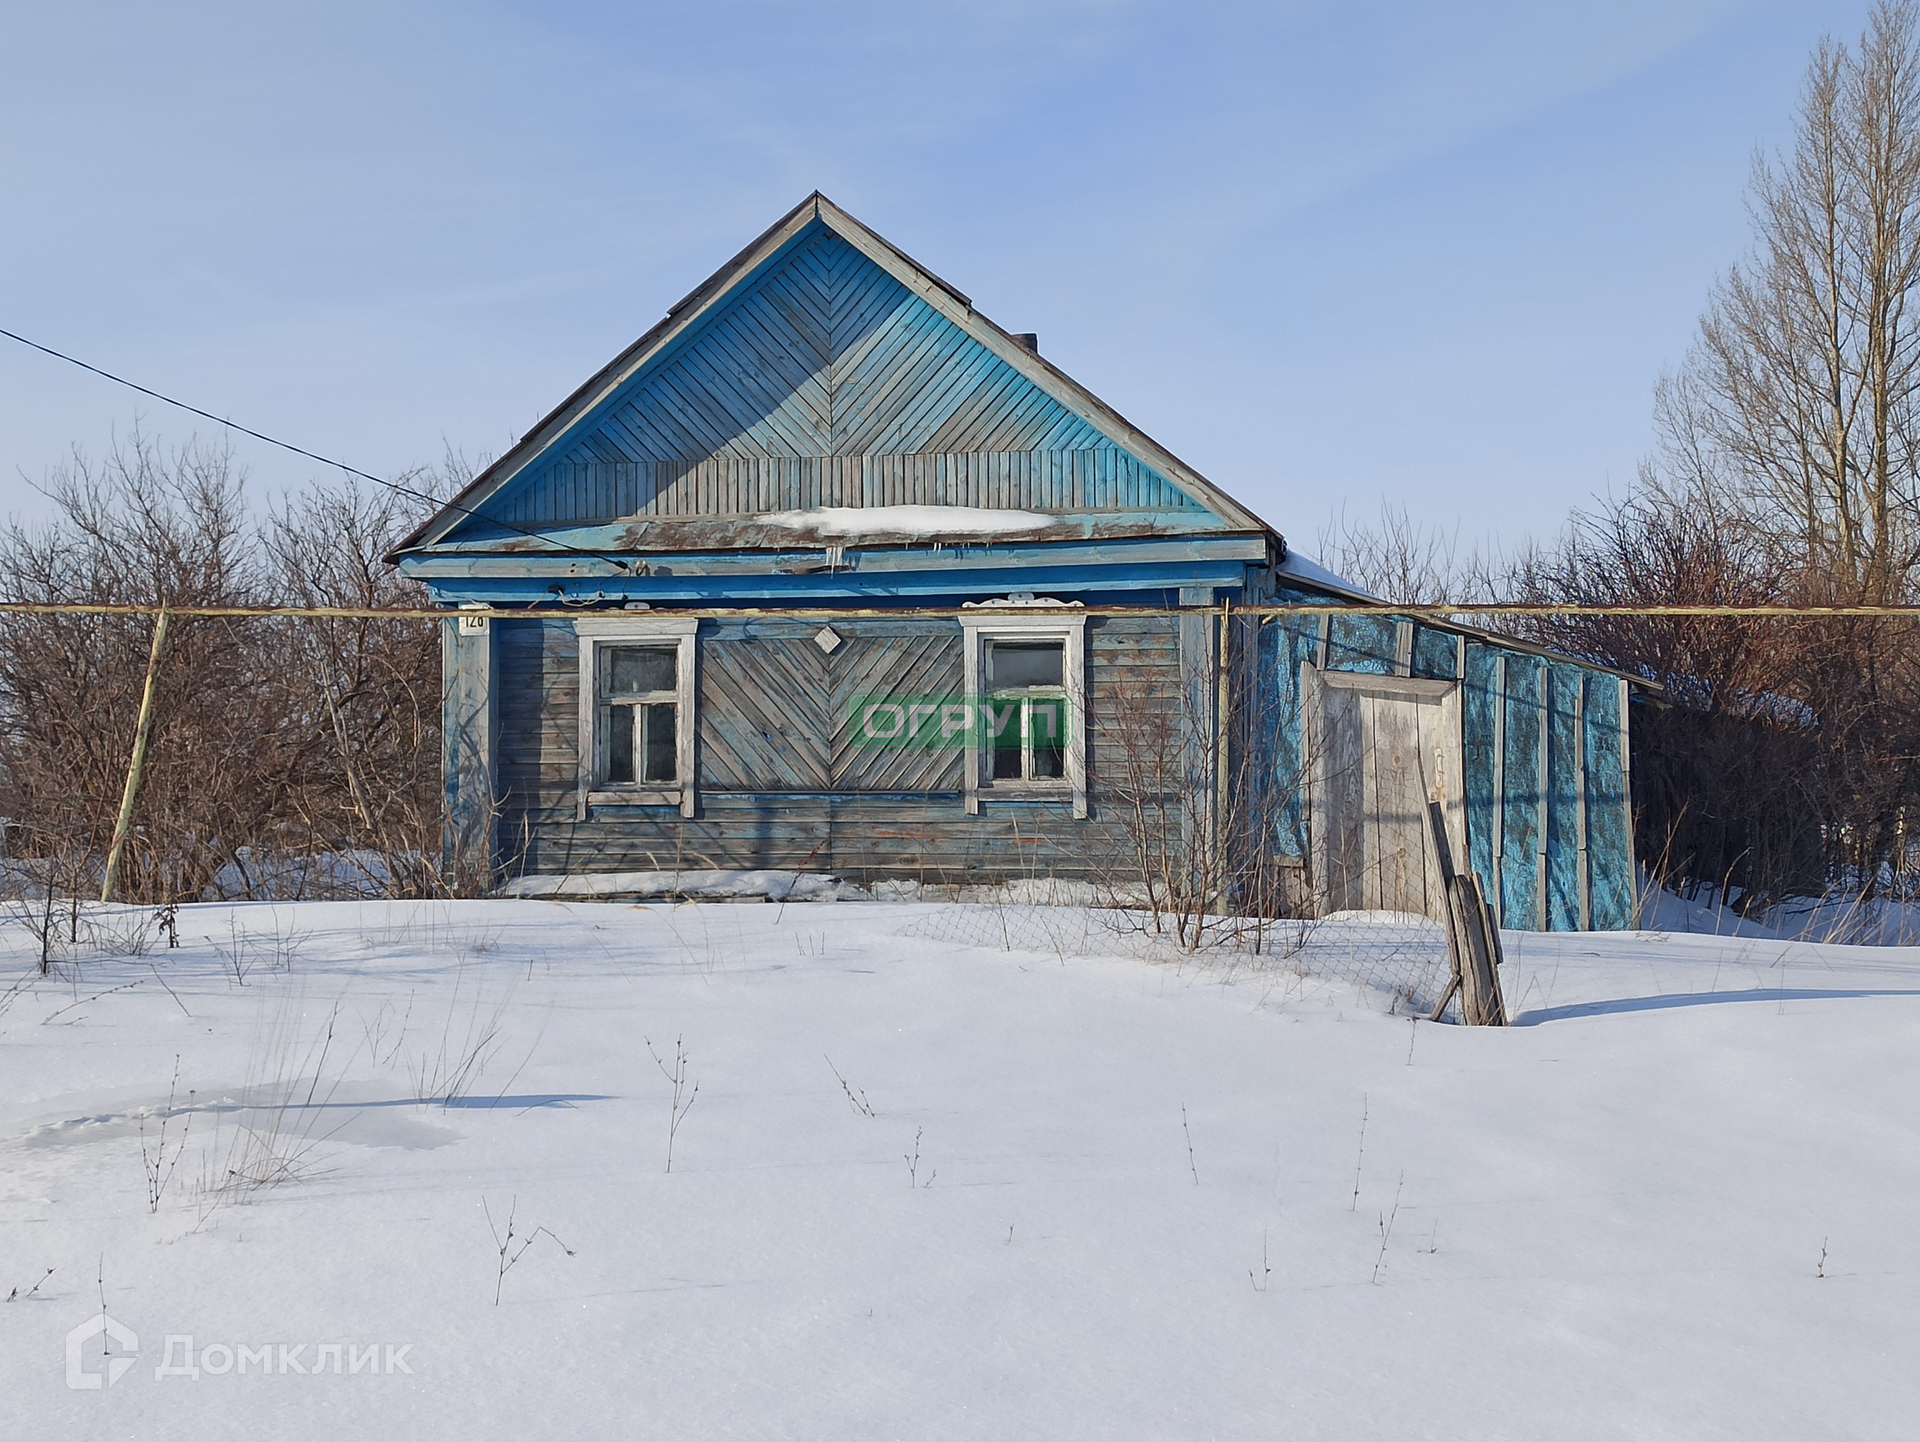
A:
{"points": [[612, 628], [977, 630]]}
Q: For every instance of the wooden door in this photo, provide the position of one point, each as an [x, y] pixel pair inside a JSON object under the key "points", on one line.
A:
{"points": [[1377, 748]]}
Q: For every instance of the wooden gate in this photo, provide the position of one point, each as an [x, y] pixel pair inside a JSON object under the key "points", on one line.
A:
{"points": [[1377, 748]]}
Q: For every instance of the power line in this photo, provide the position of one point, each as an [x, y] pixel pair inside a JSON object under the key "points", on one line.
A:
{"points": [[302, 451], [1434, 610], [827, 612]]}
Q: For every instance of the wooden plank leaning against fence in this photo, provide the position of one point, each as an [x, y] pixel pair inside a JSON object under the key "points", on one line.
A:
{"points": [[1473, 940]]}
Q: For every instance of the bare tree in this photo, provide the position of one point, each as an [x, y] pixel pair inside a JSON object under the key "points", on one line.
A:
{"points": [[1400, 559], [1785, 756], [144, 527], [287, 756], [369, 788], [1803, 392]]}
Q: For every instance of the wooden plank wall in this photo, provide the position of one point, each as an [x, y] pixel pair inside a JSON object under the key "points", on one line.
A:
{"points": [[781, 787], [831, 384], [1092, 479]]}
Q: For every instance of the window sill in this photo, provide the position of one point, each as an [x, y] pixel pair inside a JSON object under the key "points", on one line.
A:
{"points": [[1029, 791], [679, 797]]}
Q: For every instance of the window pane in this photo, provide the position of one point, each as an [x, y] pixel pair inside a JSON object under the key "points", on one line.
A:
{"points": [[1049, 739], [619, 743], [1026, 663], [661, 761], [1006, 756], [637, 670]]}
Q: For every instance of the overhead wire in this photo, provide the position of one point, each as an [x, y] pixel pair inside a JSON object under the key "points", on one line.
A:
{"points": [[394, 486], [1436, 611]]}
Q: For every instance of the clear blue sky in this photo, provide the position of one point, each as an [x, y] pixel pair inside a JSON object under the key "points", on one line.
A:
{"points": [[1326, 252]]}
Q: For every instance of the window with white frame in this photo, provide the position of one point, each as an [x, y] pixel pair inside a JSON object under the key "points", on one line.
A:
{"points": [[636, 711], [1027, 675], [1026, 710]]}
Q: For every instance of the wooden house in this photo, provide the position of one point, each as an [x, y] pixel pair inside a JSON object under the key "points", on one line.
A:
{"points": [[829, 573]]}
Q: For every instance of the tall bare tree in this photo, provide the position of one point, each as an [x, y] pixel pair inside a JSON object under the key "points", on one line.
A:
{"points": [[1804, 389], [1786, 471]]}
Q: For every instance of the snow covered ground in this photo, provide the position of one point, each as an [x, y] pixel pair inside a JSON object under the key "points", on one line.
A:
{"points": [[934, 1189]]}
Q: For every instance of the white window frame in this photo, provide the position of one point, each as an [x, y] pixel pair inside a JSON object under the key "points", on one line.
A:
{"points": [[981, 631], [596, 633]]}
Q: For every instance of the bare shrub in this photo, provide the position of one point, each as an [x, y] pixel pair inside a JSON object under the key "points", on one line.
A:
{"points": [[1184, 775], [504, 1242], [288, 757]]}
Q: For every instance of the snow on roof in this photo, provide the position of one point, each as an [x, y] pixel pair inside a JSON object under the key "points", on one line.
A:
{"points": [[907, 520], [1302, 569]]}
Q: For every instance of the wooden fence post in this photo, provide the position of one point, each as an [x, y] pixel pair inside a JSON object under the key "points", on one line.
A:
{"points": [[138, 763]]}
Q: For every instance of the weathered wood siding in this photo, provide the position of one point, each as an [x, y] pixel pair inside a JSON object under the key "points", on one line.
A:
{"points": [[1545, 794], [782, 785], [829, 383]]}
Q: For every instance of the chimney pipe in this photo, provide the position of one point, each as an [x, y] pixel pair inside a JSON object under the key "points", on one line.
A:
{"points": [[1028, 339]]}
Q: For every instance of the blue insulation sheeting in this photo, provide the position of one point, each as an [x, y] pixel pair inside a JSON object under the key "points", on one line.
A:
{"points": [[1609, 849], [1362, 643], [1476, 727], [1564, 850], [1434, 653], [1286, 642], [1520, 815]]}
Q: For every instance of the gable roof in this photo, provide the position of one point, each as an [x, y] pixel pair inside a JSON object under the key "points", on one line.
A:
{"points": [[775, 381]]}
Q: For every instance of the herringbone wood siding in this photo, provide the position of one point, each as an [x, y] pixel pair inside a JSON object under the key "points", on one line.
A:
{"points": [[831, 384]]}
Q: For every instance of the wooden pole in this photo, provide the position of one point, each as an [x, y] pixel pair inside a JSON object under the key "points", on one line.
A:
{"points": [[138, 762]]}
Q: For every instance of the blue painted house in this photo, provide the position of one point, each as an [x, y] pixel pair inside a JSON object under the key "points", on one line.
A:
{"points": [[829, 573]]}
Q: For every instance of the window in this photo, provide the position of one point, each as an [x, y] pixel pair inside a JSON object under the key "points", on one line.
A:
{"points": [[1027, 710], [636, 711], [639, 713], [1026, 671]]}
